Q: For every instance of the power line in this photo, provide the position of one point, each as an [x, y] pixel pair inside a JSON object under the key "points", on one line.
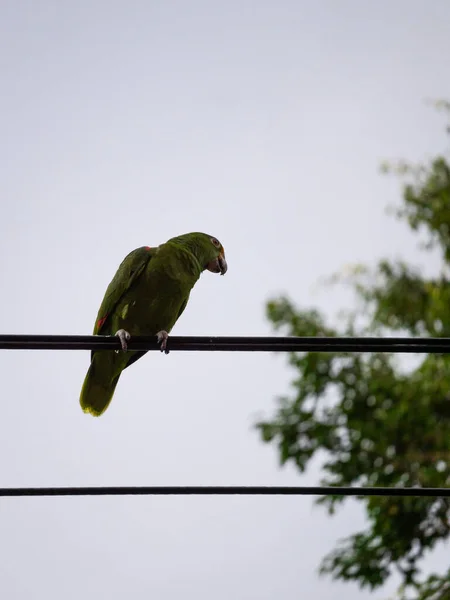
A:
{"points": [[224, 491], [242, 344], [229, 344]]}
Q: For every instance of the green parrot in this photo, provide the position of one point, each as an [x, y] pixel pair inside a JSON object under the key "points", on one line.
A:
{"points": [[146, 297]]}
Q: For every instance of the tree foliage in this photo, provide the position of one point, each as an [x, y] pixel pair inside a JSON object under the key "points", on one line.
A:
{"points": [[377, 421]]}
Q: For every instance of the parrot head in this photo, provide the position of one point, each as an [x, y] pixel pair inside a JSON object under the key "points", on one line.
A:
{"points": [[207, 249], [217, 262]]}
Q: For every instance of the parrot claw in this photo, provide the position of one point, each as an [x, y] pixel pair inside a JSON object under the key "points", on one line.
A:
{"points": [[162, 337], [124, 337]]}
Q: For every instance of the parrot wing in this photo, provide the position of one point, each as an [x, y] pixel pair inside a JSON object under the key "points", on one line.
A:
{"points": [[126, 276]]}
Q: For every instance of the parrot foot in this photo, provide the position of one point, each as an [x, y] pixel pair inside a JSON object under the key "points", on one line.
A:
{"points": [[124, 337], [162, 337]]}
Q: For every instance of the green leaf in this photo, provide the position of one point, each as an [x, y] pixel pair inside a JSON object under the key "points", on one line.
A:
{"points": [[375, 421]]}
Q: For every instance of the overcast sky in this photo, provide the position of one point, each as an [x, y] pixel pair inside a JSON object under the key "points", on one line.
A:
{"points": [[124, 124]]}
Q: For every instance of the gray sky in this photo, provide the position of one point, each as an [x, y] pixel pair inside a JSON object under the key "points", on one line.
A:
{"points": [[123, 124]]}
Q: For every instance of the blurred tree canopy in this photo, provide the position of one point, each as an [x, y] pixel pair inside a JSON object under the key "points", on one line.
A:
{"points": [[377, 421]]}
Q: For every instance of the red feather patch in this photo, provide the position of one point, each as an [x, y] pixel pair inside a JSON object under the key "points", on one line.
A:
{"points": [[101, 321]]}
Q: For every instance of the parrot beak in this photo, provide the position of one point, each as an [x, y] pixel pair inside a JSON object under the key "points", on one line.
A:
{"points": [[218, 265], [222, 264]]}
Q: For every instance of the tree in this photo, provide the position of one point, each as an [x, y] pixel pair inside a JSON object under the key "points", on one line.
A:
{"points": [[378, 422]]}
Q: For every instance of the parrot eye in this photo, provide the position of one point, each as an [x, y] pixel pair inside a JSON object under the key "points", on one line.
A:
{"points": [[215, 242]]}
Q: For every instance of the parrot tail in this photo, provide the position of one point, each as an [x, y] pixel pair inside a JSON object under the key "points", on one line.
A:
{"points": [[99, 385]]}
